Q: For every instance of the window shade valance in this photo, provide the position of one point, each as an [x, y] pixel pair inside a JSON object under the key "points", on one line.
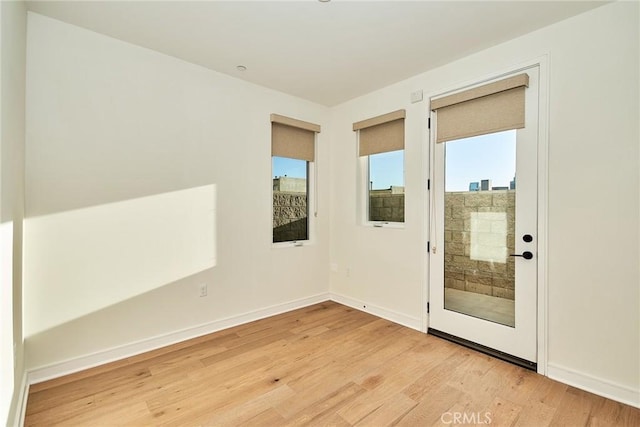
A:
{"points": [[493, 107], [381, 134], [293, 138]]}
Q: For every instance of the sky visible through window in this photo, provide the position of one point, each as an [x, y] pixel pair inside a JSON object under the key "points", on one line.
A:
{"points": [[292, 168], [386, 170], [468, 160], [491, 156]]}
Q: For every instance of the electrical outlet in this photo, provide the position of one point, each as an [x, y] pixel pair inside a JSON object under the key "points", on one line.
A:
{"points": [[334, 267], [416, 96], [203, 289]]}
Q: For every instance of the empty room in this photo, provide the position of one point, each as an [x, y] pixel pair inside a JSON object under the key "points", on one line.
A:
{"points": [[329, 213]]}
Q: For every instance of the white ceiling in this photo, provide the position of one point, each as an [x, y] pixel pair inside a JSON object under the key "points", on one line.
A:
{"points": [[324, 52]]}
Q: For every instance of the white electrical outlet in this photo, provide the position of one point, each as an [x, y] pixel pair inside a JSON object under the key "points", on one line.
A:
{"points": [[334, 267], [203, 289], [416, 96]]}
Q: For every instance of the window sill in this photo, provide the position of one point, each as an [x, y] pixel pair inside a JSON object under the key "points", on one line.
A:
{"points": [[396, 225], [295, 244]]}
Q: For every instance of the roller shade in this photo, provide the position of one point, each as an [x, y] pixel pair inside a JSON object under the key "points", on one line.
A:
{"points": [[381, 134], [293, 138], [493, 107]]}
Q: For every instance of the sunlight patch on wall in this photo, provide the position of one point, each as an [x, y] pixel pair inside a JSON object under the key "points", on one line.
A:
{"points": [[84, 260]]}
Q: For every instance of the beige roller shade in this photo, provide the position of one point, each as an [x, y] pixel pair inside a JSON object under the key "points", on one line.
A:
{"points": [[293, 138], [381, 134], [493, 107]]}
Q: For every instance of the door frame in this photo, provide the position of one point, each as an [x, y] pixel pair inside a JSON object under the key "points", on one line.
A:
{"points": [[542, 197]]}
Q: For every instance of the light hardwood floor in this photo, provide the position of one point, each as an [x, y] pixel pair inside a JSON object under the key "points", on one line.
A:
{"points": [[324, 365]]}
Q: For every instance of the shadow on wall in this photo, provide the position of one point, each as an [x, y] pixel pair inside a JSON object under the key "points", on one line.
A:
{"points": [[6, 317], [84, 260], [111, 326]]}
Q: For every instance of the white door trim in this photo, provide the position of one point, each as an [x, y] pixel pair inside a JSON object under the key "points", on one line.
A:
{"points": [[543, 149]]}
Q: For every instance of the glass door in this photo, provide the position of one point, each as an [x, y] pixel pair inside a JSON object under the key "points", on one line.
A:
{"points": [[483, 268], [479, 226]]}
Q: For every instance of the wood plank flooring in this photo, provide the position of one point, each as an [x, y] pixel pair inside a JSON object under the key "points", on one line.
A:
{"points": [[324, 365]]}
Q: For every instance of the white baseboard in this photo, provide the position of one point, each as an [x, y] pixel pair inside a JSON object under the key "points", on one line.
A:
{"points": [[81, 363], [565, 375], [21, 402], [70, 366], [594, 385], [393, 316]]}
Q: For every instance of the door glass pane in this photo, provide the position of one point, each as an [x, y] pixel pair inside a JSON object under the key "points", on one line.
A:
{"points": [[479, 226]]}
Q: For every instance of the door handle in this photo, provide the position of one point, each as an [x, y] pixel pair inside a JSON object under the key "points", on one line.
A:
{"points": [[525, 255]]}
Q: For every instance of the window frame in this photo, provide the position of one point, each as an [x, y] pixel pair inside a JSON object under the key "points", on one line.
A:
{"points": [[310, 209], [284, 145], [381, 134], [364, 204]]}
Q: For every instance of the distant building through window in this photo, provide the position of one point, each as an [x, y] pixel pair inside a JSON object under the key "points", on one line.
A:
{"points": [[485, 185]]}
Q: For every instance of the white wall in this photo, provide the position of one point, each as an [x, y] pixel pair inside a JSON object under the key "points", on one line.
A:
{"points": [[12, 135], [129, 248], [593, 204], [110, 122]]}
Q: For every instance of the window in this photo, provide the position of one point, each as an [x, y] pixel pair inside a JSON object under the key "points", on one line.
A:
{"points": [[381, 150], [290, 199], [386, 187], [292, 157]]}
